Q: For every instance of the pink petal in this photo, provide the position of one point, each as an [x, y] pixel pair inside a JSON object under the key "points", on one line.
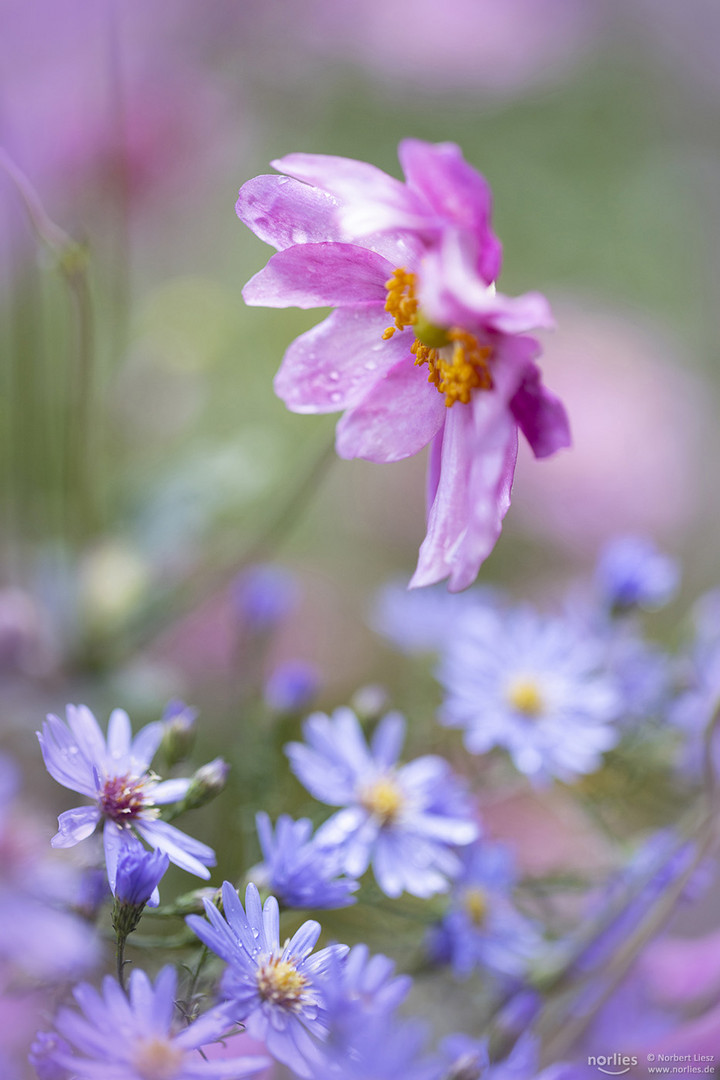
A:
{"points": [[320, 275], [541, 416], [399, 416], [283, 212], [456, 193], [335, 365]]}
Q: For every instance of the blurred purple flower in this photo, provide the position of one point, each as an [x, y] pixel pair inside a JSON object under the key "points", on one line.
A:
{"points": [[115, 774], [264, 595], [274, 990], [291, 686], [131, 1037], [631, 573], [405, 820], [482, 930], [297, 870], [423, 255], [418, 622], [465, 1058], [534, 685]]}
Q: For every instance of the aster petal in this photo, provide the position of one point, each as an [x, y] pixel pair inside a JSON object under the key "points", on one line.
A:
{"points": [[115, 840], [254, 912], [335, 365], [320, 275], [271, 920], [145, 745], [399, 416], [388, 739], [63, 759], [75, 825], [284, 212], [541, 416], [169, 791], [119, 735], [303, 940], [183, 850], [239, 921]]}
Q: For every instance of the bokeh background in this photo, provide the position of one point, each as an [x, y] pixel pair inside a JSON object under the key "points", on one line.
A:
{"points": [[145, 462]]}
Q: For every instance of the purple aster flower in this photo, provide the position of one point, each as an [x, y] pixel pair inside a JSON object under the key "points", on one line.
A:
{"points": [[482, 929], [465, 1058], [421, 349], [291, 686], [419, 622], [115, 774], [631, 573], [365, 1041], [131, 1037], [139, 873], [534, 685], [264, 595], [405, 820], [297, 870], [274, 990]]}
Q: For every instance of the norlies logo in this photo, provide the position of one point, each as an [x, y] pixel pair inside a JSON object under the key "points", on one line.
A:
{"points": [[613, 1064]]}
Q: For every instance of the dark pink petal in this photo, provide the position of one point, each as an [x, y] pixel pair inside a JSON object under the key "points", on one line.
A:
{"points": [[371, 200], [453, 294], [335, 365], [399, 416], [283, 212], [320, 275], [456, 194], [541, 416]]}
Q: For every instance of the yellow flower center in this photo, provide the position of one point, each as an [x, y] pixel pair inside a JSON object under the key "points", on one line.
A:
{"points": [[157, 1059], [475, 903], [524, 696], [457, 363], [280, 982], [383, 798]]}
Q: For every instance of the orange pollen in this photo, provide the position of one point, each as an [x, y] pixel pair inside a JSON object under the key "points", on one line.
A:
{"points": [[455, 369]]}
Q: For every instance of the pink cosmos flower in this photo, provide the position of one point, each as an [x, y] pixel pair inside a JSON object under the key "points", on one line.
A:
{"points": [[421, 350]]}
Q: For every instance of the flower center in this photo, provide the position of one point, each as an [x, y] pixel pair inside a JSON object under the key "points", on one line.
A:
{"points": [[383, 798], [475, 903], [457, 362], [280, 982], [125, 798], [158, 1059], [523, 694]]}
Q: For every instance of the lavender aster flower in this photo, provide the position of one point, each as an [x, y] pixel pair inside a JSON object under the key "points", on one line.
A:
{"points": [[139, 873], [422, 257], [405, 820], [482, 929], [534, 685], [632, 573], [291, 686], [297, 870], [115, 774], [273, 990], [131, 1037]]}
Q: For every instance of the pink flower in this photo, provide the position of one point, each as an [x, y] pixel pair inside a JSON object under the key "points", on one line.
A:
{"points": [[410, 269]]}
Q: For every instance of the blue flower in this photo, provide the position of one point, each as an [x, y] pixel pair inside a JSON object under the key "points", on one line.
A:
{"points": [[131, 1037], [631, 573], [405, 820], [533, 685], [274, 990], [482, 929], [138, 875], [297, 869], [465, 1058], [365, 1041], [422, 620], [264, 595], [291, 686], [115, 774]]}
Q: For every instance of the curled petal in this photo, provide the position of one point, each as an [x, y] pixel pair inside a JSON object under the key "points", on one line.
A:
{"points": [[283, 212]]}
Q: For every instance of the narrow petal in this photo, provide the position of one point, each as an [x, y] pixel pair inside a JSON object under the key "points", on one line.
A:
{"points": [[145, 745], [75, 825], [119, 734], [284, 212], [170, 791], [183, 850], [399, 416], [335, 365], [320, 275], [388, 739], [541, 416]]}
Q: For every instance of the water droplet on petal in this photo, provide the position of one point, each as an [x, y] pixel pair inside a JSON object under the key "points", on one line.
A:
{"points": [[370, 365], [334, 376], [335, 397]]}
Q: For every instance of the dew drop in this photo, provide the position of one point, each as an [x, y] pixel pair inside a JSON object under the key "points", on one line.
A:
{"points": [[335, 397], [370, 365], [334, 376]]}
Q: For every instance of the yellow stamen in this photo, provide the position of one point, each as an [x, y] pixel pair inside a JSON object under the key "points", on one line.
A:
{"points": [[383, 798], [524, 695], [455, 371], [475, 902], [280, 982], [157, 1059]]}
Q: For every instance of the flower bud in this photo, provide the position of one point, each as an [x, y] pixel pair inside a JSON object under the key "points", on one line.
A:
{"points": [[206, 784], [138, 875]]}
